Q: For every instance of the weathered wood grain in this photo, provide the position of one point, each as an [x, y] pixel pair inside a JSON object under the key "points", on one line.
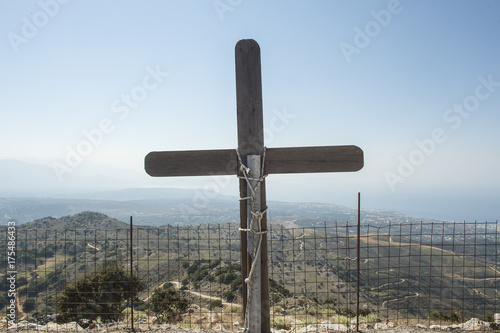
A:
{"points": [[278, 160], [191, 163], [313, 159], [251, 142], [249, 98]]}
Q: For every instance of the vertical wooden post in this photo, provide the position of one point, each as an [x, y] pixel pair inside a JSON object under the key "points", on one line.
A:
{"points": [[251, 142], [249, 98]]}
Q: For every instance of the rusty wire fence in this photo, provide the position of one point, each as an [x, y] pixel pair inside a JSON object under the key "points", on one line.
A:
{"points": [[329, 276]]}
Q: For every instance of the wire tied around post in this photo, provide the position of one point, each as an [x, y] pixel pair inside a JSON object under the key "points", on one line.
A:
{"points": [[256, 214]]}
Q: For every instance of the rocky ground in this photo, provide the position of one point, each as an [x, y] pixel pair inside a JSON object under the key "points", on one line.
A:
{"points": [[212, 321], [326, 327]]}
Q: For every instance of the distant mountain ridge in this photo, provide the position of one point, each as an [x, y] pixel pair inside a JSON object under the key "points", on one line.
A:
{"points": [[158, 211], [184, 207], [83, 220]]}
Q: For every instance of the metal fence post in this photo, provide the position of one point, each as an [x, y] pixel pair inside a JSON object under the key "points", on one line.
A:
{"points": [[358, 245], [131, 275]]}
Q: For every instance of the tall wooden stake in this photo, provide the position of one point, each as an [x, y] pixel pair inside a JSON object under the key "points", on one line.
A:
{"points": [[251, 143]]}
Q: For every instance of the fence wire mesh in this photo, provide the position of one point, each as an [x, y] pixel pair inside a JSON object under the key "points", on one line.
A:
{"points": [[427, 273]]}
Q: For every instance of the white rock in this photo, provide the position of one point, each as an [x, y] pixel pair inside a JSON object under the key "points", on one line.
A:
{"points": [[474, 324], [70, 327], [278, 331], [28, 326], [384, 326], [336, 327], [22, 324], [439, 327], [363, 325], [52, 326], [308, 329]]}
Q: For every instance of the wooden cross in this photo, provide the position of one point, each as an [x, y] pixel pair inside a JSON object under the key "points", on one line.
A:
{"points": [[251, 154]]}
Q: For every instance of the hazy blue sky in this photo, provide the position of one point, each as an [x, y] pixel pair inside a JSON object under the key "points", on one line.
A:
{"points": [[89, 87]]}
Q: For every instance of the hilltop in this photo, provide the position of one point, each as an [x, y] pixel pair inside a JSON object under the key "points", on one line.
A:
{"points": [[83, 220]]}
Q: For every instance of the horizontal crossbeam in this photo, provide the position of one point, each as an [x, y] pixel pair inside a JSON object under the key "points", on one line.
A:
{"points": [[277, 161]]}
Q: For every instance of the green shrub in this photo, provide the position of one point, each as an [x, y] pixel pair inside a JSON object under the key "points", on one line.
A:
{"points": [[275, 298], [236, 284], [228, 278], [29, 305], [454, 317], [346, 311], [168, 285], [229, 296], [215, 304], [330, 301], [168, 305], [214, 264], [364, 312], [101, 295], [278, 288]]}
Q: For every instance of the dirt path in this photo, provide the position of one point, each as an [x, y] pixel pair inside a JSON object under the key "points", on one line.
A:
{"points": [[456, 276], [20, 313], [177, 285], [494, 269], [93, 247], [386, 284], [398, 299]]}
